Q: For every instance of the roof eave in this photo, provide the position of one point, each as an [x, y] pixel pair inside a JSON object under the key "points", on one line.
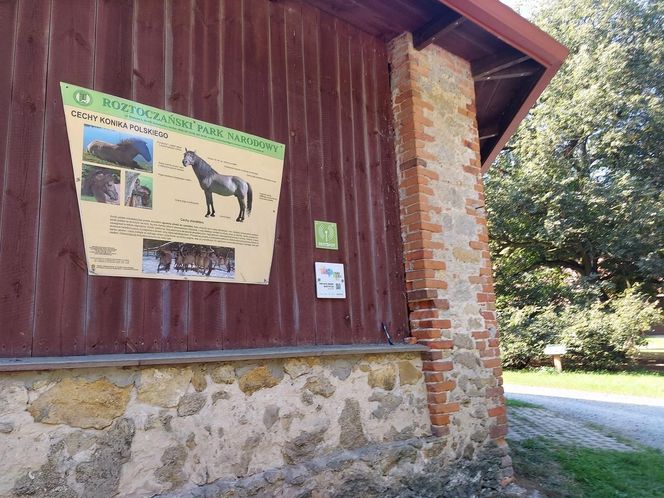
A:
{"points": [[507, 25]]}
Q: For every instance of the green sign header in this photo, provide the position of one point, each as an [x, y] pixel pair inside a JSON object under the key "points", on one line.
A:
{"points": [[91, 101]]}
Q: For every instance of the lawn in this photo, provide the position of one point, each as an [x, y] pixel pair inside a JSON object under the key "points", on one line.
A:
{"points": [[584, 473], [650, 384]]}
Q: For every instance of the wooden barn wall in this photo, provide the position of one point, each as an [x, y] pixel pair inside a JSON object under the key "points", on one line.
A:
{"points": [[280, 69]]}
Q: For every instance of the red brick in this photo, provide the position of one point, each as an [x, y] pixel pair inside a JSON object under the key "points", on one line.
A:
{"points": [[491, 363], [480, 334], [440, 344], [426, 333], [441, 387], [437, 366], [433, 377], [443, 407], [498, 410], [420, 314], [439, 419], [498, 431], [437, 397], [428, 264], [433, 355]]}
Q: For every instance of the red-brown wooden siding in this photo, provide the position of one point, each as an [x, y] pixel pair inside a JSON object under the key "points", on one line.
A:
{"points": [[283, 70]]}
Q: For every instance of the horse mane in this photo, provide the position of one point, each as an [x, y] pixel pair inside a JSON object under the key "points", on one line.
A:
{"points": [[203, 167], [137, 144]]}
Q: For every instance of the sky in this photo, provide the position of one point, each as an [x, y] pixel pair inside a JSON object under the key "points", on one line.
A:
{"points": [[524, 7]]}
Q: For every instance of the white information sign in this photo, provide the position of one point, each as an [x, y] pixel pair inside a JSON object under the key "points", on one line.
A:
{"points": [[330, 281]]}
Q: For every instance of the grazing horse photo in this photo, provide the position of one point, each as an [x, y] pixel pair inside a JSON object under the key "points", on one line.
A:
{"points": [[122, 153], [213, 183], [101, 183]]}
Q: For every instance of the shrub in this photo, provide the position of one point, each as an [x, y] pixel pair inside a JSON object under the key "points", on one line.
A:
{"points": [[597, 335]]}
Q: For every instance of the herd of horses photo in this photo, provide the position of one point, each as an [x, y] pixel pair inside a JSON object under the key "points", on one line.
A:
{"points": [[187, 259]]}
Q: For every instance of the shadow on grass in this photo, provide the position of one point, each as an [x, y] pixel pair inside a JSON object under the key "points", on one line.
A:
{"points": [[565, 471]]}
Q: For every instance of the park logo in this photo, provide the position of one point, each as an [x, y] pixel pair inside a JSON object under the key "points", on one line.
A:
{"points": [[82, 97]]}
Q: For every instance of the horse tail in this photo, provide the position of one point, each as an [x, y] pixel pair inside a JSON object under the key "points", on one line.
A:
{"points": [[250, 198]]}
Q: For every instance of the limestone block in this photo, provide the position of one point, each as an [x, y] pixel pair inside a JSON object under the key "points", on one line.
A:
{"points": [[384, 377], [320, 385], [256, 379], [190, 404], [79, 403], [163, 386], [408, 373], [223, 374]]}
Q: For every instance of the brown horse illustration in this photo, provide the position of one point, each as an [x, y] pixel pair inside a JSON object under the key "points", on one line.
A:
{"points": [[122, 153], [213, 183]]}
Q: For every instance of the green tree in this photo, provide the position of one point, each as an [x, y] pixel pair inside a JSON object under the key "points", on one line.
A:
{"points": [[580, 187], [576, 201]]}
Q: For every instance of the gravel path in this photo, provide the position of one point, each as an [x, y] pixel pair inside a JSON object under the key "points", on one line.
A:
{"points": [[641, 419]]}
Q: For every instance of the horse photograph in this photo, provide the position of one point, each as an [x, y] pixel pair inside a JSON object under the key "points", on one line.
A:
{"points": [[187, 259], [212, 182], [138, 190], [100, 184], [104, 146]]}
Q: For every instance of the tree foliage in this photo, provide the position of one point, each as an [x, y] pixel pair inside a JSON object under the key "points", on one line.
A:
{"points": [[576, 202]]}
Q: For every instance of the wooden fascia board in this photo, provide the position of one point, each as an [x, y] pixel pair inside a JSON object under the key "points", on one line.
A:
{"points": [[505, 24]]}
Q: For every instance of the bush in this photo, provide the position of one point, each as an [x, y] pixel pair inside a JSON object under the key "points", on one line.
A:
{"points": [[597, 335]]}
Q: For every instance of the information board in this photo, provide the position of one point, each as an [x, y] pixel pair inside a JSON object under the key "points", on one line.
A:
{"points": [[162, 195]]}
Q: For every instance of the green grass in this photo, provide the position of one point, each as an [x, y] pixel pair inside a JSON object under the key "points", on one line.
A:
{"points": [[88, 157], [649, 384], [515, 403], [585, 473]]}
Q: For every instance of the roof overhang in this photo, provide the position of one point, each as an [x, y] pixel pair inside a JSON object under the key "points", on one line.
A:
{"points": [[524, 38], [512, 60]]}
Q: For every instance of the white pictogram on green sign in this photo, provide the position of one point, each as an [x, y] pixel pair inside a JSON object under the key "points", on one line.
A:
{"points": [[326, 235]]}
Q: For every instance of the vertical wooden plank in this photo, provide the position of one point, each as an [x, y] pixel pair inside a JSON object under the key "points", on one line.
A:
{"points": [[178, 73], [332, 174], [8, 22], [394, 248], [281, 282], [106, 314], [206, 311], [22, 178], [61, 268], [362, 193], [349, 232], [377, 185], [301, 228], [313, 104], [257, 328], [145, 297]]}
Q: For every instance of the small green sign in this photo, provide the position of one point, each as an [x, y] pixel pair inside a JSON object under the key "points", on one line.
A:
{"points": [[326, 235]]}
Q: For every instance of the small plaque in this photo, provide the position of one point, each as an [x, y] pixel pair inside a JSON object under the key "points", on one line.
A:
{"points": [[555, 349], [330, 281], [326, 235]]}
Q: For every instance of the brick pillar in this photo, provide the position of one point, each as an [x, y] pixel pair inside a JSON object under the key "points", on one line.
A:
{"points": [[448, 268]]}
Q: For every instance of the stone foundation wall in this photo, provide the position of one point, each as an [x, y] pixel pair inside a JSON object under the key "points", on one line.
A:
{"points": [[310, 427]]}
